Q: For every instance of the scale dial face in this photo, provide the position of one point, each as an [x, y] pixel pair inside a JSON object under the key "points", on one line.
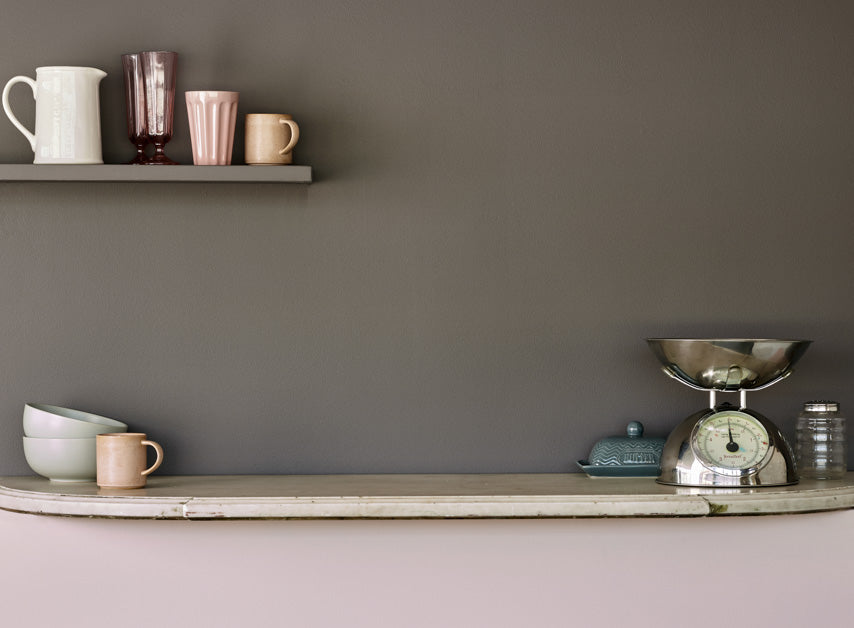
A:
{"points": [[730, 442]]}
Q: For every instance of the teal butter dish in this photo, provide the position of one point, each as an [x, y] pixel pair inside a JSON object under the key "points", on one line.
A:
{"points": [[631, 455]]}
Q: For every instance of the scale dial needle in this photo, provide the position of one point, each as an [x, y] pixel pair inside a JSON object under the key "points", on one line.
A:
{"points": [[731, 446]]}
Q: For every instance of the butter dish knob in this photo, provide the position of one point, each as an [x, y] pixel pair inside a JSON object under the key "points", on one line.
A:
{"points": [[634, 429]]}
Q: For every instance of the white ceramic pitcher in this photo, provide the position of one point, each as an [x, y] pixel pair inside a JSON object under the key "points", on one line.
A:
{"points": [[68, 117]]}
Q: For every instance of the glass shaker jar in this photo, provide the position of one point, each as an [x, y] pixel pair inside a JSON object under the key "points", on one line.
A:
{"points": [[821, 447]]}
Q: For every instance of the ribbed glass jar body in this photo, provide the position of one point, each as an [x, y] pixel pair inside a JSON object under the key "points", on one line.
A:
{"points": [[821, 447]]}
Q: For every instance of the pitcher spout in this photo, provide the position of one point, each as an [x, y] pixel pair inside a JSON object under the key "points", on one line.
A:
{"points": [[95, 73]]}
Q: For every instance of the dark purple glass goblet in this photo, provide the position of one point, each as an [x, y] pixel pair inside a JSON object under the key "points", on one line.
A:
{"points": [[135, 105], [158, 71]]}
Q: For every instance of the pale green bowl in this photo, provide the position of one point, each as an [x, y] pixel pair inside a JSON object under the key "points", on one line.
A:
{"points": [[43, 421], [62, 459]]}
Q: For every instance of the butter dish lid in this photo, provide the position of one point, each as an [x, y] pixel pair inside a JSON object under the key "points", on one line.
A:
{"points": [[628, 450]]}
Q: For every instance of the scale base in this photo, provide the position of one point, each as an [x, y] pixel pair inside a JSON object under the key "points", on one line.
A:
{"points": [[681, 466]]}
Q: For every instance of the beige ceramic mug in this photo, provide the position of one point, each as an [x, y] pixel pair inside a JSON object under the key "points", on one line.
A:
{"points": [[270, 139], [121, 461]]}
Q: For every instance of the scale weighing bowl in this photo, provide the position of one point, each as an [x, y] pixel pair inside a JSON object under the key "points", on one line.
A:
{"points": [[727, 364]]}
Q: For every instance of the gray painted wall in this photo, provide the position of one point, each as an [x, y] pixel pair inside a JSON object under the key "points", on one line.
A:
{"points": [[509, 197]]}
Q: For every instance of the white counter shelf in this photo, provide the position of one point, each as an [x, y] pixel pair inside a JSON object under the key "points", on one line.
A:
{"points": [[432, 496]]}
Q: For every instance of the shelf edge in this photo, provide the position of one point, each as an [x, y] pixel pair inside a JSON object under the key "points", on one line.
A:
{"points": [[155, 174]]}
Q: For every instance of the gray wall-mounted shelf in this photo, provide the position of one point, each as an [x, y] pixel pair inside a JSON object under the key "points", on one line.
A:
{"points": [[157, 174]]}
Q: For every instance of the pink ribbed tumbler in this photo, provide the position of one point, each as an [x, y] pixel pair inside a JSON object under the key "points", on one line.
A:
{"points": [[212, 119]]}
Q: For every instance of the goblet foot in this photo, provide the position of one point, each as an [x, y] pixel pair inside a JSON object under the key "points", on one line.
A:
{"points": [[160, 160]]}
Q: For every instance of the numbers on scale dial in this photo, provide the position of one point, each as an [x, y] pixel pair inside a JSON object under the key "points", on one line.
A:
{"points": [[731, 440]]}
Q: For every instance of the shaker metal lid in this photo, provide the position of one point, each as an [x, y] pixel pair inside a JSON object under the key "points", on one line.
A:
{"points": [[821, 406]]}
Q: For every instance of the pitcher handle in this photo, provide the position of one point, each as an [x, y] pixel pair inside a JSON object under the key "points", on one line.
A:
{"points": [[294, 135], [159, 450], [8, 109]]}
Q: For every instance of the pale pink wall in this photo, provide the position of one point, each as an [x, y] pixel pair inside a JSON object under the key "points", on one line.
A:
{"points": [[532, 573]]}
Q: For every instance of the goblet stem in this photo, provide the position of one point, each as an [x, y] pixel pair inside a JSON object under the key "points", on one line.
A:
{"points": [[159, 157], [141, 157]]}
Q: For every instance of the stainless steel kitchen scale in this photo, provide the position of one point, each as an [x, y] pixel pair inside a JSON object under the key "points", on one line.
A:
{"points": [[726, 445]]}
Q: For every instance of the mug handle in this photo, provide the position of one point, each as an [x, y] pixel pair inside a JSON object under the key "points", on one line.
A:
{"points": [[294, 135], [159, 450], [8, 109]]}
